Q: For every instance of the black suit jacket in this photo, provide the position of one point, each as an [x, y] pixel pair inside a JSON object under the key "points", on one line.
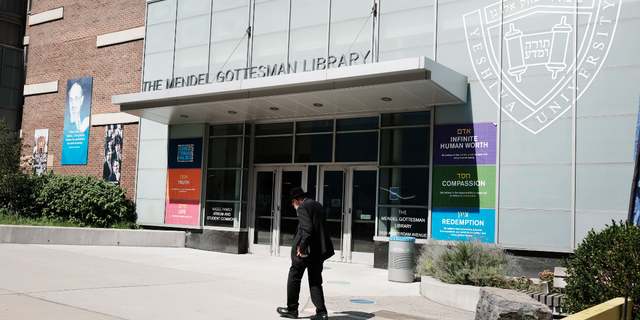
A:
{"points": [[312, 236]]}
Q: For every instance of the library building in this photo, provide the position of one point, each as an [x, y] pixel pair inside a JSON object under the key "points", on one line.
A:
{"points": [[509, 121]]}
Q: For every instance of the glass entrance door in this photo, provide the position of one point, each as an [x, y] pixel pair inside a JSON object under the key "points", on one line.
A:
{"points": [[348, 194], [274, 220]]}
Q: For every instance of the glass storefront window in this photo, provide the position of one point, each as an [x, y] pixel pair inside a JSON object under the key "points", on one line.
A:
{"points": [[224, 184], [406, 146], [314, 148], [405, 119], [226, 130], [273, 150], [357, 147], [274, 128], [314, 126], [355, 124], [225, 152], [404, 186]]}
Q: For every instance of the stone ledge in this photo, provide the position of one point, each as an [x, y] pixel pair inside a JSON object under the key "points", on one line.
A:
{"points": [[452, 295], [91, 236]]}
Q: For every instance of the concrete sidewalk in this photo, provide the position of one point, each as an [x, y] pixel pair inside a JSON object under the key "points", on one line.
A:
{"points": [[101, 282]]}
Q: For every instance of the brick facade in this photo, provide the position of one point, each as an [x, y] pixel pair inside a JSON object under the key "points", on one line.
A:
{"points": [[66, 49]]}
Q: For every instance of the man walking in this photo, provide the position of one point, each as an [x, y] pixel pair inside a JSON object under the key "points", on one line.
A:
{"points": [[311, 247]]}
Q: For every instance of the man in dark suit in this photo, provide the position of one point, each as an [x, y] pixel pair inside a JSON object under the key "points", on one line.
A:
{"points": [[311, 247]]}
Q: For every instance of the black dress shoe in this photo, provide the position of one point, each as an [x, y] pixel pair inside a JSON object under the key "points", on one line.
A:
{"points": [[319, 316], [285, 312]]}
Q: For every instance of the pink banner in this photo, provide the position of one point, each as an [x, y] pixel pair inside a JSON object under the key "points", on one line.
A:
{"points": [[182, 212]]}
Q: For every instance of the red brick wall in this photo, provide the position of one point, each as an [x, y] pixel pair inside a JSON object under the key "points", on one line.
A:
{"points": [[66, 49]]}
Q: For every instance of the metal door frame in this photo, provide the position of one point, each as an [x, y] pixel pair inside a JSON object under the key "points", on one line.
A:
{"points": [[274, 248]]}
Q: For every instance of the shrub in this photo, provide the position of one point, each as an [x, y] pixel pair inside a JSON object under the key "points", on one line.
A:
{"points": [[470, 262], [605, 265], [13, 170], [85, 200]]}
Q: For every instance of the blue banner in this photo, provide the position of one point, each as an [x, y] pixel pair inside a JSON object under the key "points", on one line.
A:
{"points": [[75, 140], [457, 224], [185, 153]]}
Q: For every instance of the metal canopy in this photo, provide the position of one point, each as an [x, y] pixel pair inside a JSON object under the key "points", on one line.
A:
{"points": [[410, 84]]}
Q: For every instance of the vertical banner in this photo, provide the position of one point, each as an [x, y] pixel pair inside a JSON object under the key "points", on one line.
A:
{"points": [[112, 165], [634, 204], [464, 182], [40, 152], [75, 140], [183, 181]]}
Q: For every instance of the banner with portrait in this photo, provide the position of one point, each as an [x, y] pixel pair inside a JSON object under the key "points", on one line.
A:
{"points": [[40, 150], [75, 141], [112, 160]]}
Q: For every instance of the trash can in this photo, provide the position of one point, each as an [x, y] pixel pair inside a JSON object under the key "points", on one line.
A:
{"points": [[401, 258]]}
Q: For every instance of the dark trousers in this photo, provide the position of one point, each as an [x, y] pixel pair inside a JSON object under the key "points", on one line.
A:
{"points": [[296, 272]]}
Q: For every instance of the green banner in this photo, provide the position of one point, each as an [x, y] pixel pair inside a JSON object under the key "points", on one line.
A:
{"points": [[464, 187]]}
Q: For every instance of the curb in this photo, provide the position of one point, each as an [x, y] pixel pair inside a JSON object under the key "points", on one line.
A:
{"points": [[453, 295], [91, 236]]}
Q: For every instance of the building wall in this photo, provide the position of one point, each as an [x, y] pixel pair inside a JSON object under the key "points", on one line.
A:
{"points": [[66, 49]]}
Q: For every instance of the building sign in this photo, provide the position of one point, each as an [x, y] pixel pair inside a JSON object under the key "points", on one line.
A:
{"points": [[461, 223], [75, 140], [465, 144], [221, 214], [464, 182], [184, 177], [40, 151], [262, 71], [182, 212], [545, 51], [184, 184], [464, 186], [405, 222]]}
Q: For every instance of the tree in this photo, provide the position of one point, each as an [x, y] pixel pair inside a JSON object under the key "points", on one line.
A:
{"points": [[14, 170]]}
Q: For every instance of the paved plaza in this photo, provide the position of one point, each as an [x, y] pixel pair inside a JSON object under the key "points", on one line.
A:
{"points": [[110, 282]]}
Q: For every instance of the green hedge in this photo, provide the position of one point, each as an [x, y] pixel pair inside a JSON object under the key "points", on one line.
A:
{"points": [[605, 265], [85, 200]]}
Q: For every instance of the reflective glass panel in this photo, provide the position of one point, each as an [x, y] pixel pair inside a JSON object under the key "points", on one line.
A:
{"points": [[314, 148], [314, 126], [190, 8], [406, 119], [191, 61], [226, 130], [274, 128], [357, 124], [288, 214], [357, 147], [264, 205], [332, 201], [192, 32], [225, 152], [350, 28], [273, 150], [223, 184], [159, 38], [161, 11], [364, 211], [271, 21], [404, 186], [400, 39], [308, 35], [408, 146]]}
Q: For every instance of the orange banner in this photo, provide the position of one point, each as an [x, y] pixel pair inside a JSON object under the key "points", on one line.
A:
{"points": [[183, 184]]}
